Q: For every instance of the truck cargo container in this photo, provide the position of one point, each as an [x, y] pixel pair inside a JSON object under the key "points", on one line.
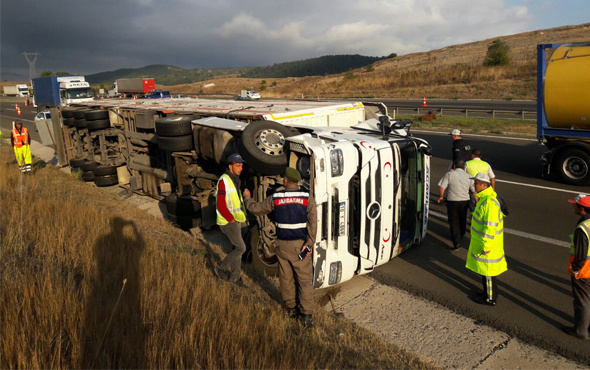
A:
{"points": [[139, 87], [20, 90], [52, 91], [563, 112], [369, 177]]}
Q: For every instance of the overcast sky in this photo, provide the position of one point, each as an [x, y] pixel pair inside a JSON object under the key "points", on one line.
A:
{"points": [[90, 36]]}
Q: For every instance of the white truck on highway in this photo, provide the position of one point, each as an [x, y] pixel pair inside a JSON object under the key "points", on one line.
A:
{"points": [[369, 177], [19, 90]]}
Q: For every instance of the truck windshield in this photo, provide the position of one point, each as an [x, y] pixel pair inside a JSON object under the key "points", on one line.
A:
{"points": [[79, 93]]}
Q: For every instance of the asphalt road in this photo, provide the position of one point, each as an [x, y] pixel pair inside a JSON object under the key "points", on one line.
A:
{"points": [[535, 294]]}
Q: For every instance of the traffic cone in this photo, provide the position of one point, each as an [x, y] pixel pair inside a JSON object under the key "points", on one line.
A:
{"points": [[18, 111], [27, 102], [318, 98], [424, 101]]}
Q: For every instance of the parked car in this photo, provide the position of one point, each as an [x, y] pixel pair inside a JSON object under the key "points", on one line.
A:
{"points": [[158, 94]]}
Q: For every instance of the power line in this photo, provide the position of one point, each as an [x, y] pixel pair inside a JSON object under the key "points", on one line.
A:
{"points": [[31, 63]]}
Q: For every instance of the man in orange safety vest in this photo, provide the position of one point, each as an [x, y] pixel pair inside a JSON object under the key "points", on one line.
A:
{"points": [[21, 141]]}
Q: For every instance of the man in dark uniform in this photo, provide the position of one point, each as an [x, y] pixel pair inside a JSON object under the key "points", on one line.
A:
{"points": [[579, 268], [461, 148], [296, 220]]}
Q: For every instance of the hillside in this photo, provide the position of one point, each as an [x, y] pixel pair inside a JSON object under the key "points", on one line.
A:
{"points": [[453, 72]]}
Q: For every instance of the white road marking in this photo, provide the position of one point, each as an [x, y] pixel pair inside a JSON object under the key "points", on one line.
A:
{"points": [[539, 186], [476, 135], [559, 243]]}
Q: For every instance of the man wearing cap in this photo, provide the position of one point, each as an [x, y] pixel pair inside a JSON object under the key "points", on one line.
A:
{"points": [[486, 249], [296, 221], [456, 186], [579, 268], [461, 149], [21, 141], [231, 218], [477, 165]]}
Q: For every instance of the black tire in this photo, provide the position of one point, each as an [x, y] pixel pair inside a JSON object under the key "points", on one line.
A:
{"points": [[67, 113], [69, 122], [268, 265], [103, 181], [80, 123], [573, 166], [182, 206], [87, 176], [176, 143], [96, 114], [79, 113], [98, 124], [174, 126], [88, 166], [261, 146], [105, 171], [77, 162]]}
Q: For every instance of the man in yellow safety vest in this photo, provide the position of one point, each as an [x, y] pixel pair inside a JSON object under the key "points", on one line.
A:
{"points": [[231, 218], [21, 141], [486, 249], [579, 268]]}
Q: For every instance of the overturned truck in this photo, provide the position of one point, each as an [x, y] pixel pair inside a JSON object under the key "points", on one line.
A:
{"points": [[369, 177]]}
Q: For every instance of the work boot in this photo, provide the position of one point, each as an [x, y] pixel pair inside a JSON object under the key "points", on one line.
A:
{"points": [[239, 282], [293, 312], [573, 333], [481, 299], [221, 273], [307, 321]]}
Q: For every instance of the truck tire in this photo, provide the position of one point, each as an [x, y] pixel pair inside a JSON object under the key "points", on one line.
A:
{"points": [[262, 263], [174, 126], [77, 162], [573, 166], [105, 171], [67, 113], [87, 176], [79, 113], [96, 114], [262, 147], [69, 122], [176, 143], [98, 124], [108, 180], [79, 123], [88, 166]]}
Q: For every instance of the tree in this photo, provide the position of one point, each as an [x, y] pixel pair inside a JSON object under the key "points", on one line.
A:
{"points": [[392, 55], [498, 54], [46, 73]]}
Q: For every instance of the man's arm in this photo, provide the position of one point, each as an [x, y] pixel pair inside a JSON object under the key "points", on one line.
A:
{"points": [[312, 222], [259, 208], [221, 203], [581, 251], [442, 194]]}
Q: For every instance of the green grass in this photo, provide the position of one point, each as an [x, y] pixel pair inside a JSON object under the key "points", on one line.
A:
{"points": [[526, 128]]}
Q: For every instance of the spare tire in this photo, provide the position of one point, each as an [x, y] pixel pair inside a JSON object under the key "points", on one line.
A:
{"points": [[98, 124], [95, 114], [176, 143], [262, 144], [174, 125]]}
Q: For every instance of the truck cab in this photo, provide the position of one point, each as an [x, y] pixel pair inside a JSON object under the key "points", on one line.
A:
{"points": [[74, 89]]}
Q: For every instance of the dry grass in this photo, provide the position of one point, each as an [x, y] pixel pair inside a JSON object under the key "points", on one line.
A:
{"points": [[453, 72], [74, 259]]}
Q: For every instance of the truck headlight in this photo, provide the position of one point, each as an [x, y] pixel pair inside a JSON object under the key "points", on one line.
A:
{"points": [[335, 273], [336, 162]]}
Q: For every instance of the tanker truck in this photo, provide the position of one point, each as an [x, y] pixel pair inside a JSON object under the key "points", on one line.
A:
{"points": [[563, 111]]}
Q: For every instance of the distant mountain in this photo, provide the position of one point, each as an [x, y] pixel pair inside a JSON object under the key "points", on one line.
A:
{"points": [[170, 75]]}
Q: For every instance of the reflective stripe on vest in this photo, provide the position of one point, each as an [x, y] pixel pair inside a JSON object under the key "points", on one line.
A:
{"points": [[290, 211], [476, 166], [21, 138], [233, 201], [584, 272]]}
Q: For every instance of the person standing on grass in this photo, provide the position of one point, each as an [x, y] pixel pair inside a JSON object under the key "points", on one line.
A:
{"points": [[231, 218], [579, 268], [456, 186], [296, 221], [486, 249], [21, 142]]}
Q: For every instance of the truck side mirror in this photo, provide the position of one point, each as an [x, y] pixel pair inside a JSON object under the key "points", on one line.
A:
{"points": [[385, 126]]}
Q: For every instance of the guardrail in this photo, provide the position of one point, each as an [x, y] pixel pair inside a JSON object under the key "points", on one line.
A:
{"points": [[467, 112]]}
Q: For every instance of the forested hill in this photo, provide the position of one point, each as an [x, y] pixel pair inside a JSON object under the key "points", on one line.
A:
{"points": [[328, 64]]}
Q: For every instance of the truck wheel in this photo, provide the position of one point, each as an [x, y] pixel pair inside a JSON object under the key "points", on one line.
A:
{"points": [[98, 124], [69, 122], [87, 176], [174, 126], [103, 181], [268, 265], [96, 114], [80, 123], [574, 166], [77, 162], [88, 166], [105, 171], [262, 147], [79, 113], [67, 113], [176, 143]]}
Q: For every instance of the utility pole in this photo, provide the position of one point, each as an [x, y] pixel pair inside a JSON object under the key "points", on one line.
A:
{"points": [[31, 61]]}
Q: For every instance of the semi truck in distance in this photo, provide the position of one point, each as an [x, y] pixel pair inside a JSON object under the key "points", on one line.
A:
{"points": [[54, 91], [370, 178], [563, 110], [20, 90], [139, 87]]}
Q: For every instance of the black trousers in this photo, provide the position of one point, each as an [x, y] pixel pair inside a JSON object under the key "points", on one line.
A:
{"points": [[581, 291], [490, 287], [457, 213]]}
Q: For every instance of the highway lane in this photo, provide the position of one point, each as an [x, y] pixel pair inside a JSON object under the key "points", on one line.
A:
{"points": [[535, 294]]}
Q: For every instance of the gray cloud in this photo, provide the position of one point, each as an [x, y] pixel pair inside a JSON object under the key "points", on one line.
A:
{"points": [[89, 36]]}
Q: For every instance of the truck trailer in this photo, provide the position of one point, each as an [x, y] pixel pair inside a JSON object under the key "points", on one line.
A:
{"points": [[20, 90], [52, 91], [563, 110], [369, 177], [139, 87]]}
